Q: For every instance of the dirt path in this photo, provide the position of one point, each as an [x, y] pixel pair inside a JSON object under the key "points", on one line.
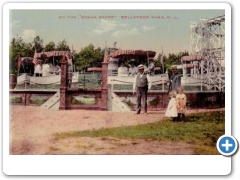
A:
{"points": [[31, 130]]}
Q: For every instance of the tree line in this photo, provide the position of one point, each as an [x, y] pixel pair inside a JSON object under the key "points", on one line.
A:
{"points": [[88, 56]]}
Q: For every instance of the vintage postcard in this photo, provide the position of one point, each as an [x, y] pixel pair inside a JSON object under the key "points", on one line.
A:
{"points": [[128, 84]]}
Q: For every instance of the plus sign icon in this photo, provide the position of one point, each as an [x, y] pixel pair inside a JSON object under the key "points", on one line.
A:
{"points": [[227, 145]]}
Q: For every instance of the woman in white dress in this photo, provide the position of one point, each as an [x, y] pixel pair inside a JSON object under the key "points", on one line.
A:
{"points": [[172, 107]]}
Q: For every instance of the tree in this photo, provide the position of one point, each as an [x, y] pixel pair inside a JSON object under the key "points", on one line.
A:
{"points": [[89, 57], [37, 44], [18, 48], [28, 50], [160, 62], [62, 46], [174, 59], [50, 46]]}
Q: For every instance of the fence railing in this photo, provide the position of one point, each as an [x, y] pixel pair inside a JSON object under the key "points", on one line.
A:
{"points": [[82, 80]]}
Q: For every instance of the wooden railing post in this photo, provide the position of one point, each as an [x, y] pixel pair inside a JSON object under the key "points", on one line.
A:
{"points": [[104, 89], [12, 81], [63, 87]]}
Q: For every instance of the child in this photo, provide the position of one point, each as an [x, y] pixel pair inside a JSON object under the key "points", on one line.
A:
{"points": [[172, 107], [181, 104]]}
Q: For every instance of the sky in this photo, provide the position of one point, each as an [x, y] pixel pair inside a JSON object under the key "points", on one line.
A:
{"points": [[147, 29]]}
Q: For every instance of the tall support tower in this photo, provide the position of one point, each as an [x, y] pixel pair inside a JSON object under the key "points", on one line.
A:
{"points": [[208, 40]]}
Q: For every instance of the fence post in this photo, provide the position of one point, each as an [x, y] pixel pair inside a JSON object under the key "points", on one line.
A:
{"points": [[63, 87], [104, 88], [84, 79], [12, 81]]}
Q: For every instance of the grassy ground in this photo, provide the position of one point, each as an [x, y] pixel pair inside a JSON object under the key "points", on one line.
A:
{"points": [[201, 130]]}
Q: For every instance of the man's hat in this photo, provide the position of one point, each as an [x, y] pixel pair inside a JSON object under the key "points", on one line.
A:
{"points": [[140, 66]]}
